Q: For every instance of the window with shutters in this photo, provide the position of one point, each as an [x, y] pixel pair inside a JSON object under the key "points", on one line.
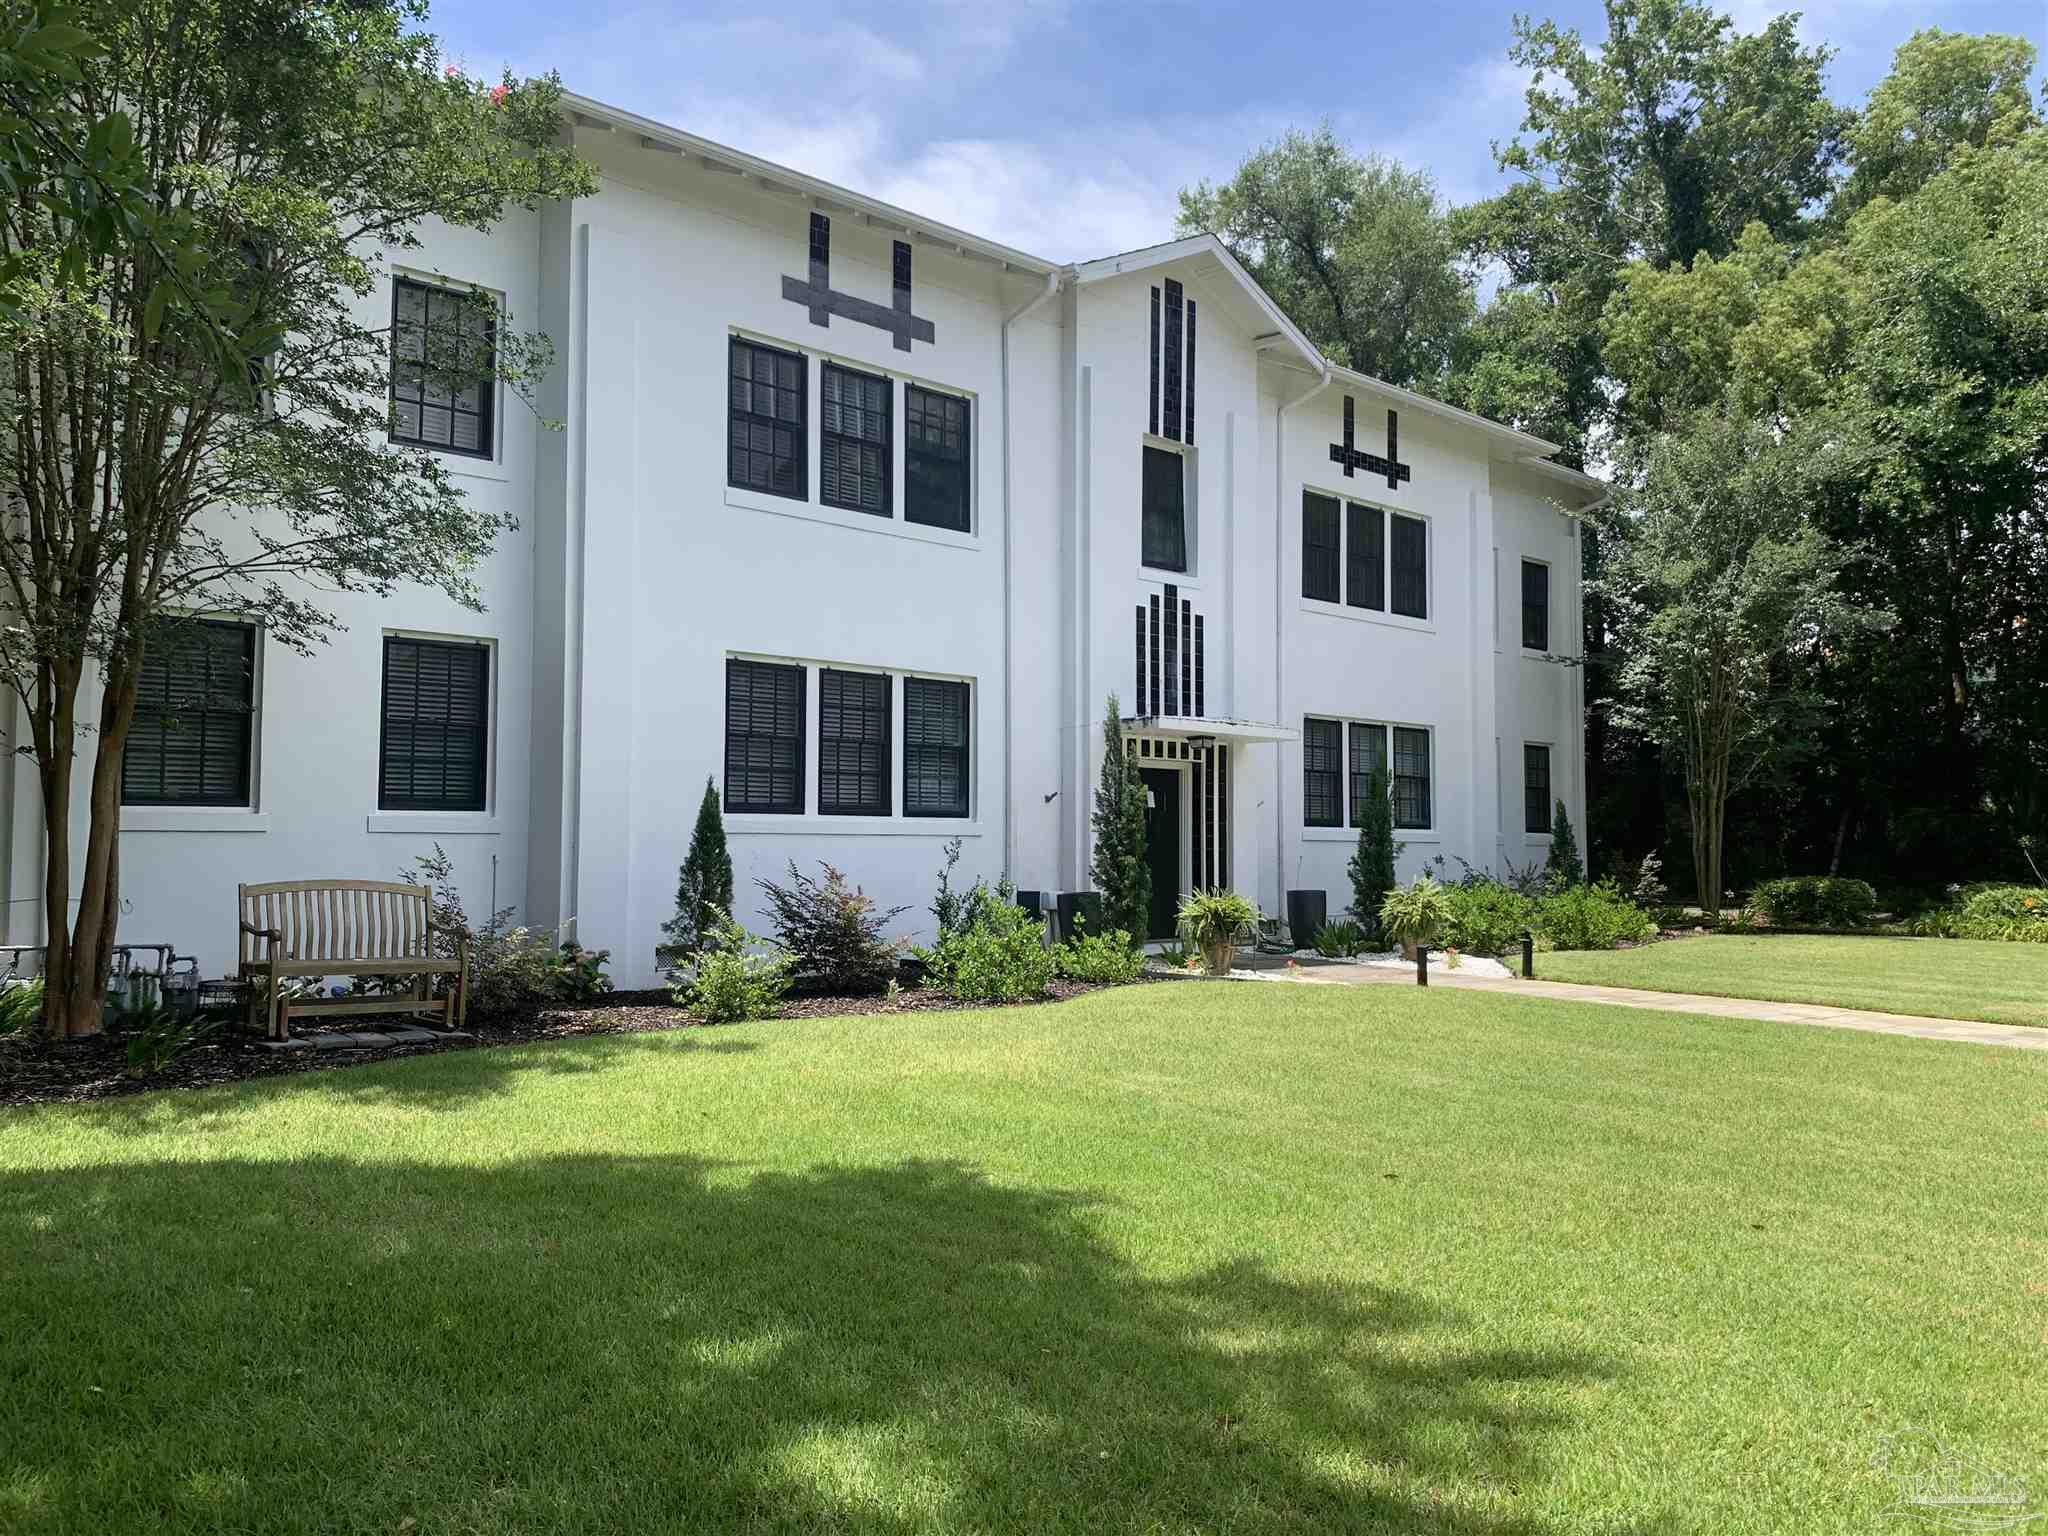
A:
{"points": [[766, 440], [1368, 756], [435, 746], [855, 446], [853, 743], [934, 747], [1409, 538], [1320, 531], [936, 458], [1165, 534], [1365, 562], [1411, 778], [443, 369], [764, 737], [1322, 773], [194, 713], [1535, 606], [1535, 788]]}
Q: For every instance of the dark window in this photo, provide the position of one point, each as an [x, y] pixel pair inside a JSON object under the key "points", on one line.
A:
{"points": [[1411, 777], [936, 459], [1535, 606], [1165, 538], [1411, 566], [853, 743], [1319, 573], [1322, 773], [1368, 755], [934, 747], [443, 361], [189, 743], [436, 725], [1535, 789], [1365, 562], [764, 737], [855, 444], [765, 447]]}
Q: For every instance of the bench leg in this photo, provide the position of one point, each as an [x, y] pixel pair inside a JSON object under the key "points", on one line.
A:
{"points": [[280, 1020]]}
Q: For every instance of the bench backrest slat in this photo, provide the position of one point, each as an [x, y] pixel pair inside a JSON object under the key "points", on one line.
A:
{"points": [[338, 920]]}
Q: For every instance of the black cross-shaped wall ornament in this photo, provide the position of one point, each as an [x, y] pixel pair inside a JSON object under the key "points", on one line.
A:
{"points": [[824, 301], [1348, 454]]}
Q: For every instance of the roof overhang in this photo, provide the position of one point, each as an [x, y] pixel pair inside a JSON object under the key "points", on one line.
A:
{"points": [[1195, 727], [586, 112], [1262, 317], [1513, 443], [1592, 488]]}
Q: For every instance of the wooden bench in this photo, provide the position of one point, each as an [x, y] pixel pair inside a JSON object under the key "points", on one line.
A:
{"points": [[296, 928]]}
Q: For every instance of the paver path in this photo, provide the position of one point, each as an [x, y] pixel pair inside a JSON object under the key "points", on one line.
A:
{"points": [[1973, 1030]]}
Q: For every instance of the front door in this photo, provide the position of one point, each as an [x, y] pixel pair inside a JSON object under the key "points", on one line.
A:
{"points": [[1162, 847]]}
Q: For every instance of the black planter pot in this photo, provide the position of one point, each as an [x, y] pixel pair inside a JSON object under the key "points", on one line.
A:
{"points": [[1084, 904], [1032, 902], [1307, 911]]}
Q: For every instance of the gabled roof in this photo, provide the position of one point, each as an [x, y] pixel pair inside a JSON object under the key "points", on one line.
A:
{"points": [[1206, 249]]}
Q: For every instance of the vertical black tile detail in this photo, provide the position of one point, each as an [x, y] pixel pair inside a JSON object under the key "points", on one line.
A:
{"points": [[1187, 658], [1140, 631], [822, 301], [1348, 454], [1170, 396], [1200, 657], [1152, 604], [821, 267], [1396, 470], [1152, 412], [1172, 615], [901, 293], [1190, 391], [1220, 759]]}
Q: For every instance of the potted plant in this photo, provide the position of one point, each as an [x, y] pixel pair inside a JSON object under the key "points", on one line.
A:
{"points": [[1414, 914], [1215, 921]]}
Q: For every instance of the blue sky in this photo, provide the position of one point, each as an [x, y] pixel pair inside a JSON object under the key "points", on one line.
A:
{"points": [[1066, 127]]}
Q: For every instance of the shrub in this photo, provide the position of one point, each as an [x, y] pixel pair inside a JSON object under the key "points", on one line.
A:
{"points": [[997, 954], [1591, 917], [2015, 914], [1564, 866], [1119, 866], [1212, 918], [157, 1037], [703, 886], [1372, 863], [832, 932], [1339, 941], [1821, 901], [579, 973], [1110, 957], [1485, 917], [732, 983], [949, 905], [1414, 914], [21, 1005], [512, 971]]}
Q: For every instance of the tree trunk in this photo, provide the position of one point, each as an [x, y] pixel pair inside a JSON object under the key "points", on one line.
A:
{"points": [[80, 955]]}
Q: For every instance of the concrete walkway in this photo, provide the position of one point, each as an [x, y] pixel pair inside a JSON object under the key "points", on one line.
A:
{"points": [[1975, 1031]]}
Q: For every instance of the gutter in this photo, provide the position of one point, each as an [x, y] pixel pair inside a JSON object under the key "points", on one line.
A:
{"points": [[1279, 613], [1052, 287]]}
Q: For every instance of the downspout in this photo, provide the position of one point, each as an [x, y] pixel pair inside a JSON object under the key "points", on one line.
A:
{"points": [[1279, 616], [1052, 286]]}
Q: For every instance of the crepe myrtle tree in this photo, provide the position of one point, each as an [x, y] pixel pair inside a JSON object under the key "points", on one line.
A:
{"points": [[195, 415]]}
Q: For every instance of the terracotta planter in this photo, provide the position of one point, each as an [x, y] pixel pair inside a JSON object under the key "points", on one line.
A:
{"points": [[1219, 953]]}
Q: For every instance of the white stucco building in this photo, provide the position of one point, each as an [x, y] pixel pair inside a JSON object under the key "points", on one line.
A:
{"points": [[864, 517]]}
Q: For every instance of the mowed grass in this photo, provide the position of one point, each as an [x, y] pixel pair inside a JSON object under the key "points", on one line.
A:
{"points": [[1934, 978], [1235, 1258]]}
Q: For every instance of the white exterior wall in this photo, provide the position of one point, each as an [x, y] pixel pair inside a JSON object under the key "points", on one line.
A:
{"points": [[637, 572]]}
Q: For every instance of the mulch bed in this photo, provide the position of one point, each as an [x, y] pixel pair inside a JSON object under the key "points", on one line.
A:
{"points": [[97, 1068]]}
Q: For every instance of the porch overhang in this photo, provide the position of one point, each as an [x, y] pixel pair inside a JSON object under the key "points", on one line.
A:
{"points": [[1191, 727]]}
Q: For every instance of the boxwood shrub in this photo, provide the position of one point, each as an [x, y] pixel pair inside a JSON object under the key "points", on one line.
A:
{"points": [[1815, 901]]}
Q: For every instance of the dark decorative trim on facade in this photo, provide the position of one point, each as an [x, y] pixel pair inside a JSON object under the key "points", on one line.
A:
{"points": [[1142, 704], [1199, 708], [1152, 651], [1190, 390], [823, 301], [1352, 458], [1169, 650], [1172, 649], [1170, 406], [1152, 399]]}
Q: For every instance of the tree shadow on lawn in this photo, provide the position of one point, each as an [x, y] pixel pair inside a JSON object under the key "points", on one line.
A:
{"points": [[445, 1080], [656, 1343]]}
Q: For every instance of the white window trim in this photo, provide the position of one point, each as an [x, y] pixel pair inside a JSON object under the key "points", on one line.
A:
{"points": [[1384, 614], [1346, 833], [452, 823], [1551, 747], [471, 466], [218, 818], [1190, 511], [811, 505]]}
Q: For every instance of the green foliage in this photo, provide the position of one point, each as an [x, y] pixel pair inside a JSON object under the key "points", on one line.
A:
{"points": [[2013, 914], [948, 904], [21, 1006], [157, 1036], [703, 885], [579, 973], [1415, 914], [1591, 917], [1339, 940], [996, 954], [1119, 868], [1564, 866], [1371, 868], [1485, 917], [1178, 957], [1107, 957], [732, 982], [832, 932], [1947, 92], [1358, 251], [1216, 915], [1824, 901], [513, 971]]}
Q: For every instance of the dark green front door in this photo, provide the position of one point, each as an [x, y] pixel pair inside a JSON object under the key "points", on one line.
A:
{"points": [[1162, 847]]}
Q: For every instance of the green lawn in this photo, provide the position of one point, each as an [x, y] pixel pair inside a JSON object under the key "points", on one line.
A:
{"points": [[1936, 978], [1252, 1258]]}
